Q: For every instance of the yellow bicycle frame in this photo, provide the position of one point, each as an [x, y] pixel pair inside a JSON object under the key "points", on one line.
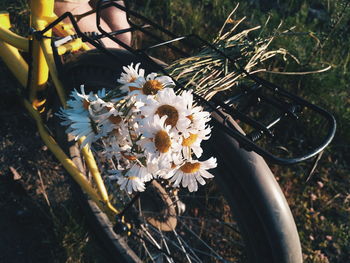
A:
{"points": [[43, 65]]}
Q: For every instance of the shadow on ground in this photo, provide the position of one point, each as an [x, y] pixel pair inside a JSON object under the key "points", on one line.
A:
{"points": [[39, 221]]}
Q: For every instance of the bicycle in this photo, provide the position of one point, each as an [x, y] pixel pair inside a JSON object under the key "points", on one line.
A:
{"points": [[250, 191]]}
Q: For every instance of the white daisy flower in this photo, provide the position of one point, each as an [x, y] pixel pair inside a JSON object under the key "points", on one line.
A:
{"points": [[139, 171], [113, 152], [193, 142], [158, 139], [79, 102], [77, 105], [134, 178], [132, 107], [129, 75], [142, 87], [197, 116], [82, 126], [98, 106], [119, 137], [192, 172], [80, 115], [150, 133], [131, 184], [128, 183], [120, 153], [110, 124], [152, 165], [167, 103], [167, 170], [106, 117], [78, 120]]}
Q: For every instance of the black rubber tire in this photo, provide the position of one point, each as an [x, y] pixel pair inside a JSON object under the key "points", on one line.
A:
{"points": [[262, 212]]}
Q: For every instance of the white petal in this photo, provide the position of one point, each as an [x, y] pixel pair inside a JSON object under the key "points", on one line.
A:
{"points": [[186, 180], [206, 174], [199, 179]]}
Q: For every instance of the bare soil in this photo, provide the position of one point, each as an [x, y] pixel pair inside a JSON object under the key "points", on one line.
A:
{"points": [[24, 222], [36, 207]]}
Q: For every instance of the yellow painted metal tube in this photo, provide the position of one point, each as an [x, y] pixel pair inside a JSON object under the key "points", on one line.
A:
{"points": [[42, 8], [39, 72], [8, 36], [86, 152], [5, 19], [14, 62], [14, 39], [72, 46], [48, 53], [64, 29], [91, 163], [93, 169], [42, 14], [66, 162]]}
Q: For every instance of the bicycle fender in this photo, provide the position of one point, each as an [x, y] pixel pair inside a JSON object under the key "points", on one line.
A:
{"points": [[261, 188]]}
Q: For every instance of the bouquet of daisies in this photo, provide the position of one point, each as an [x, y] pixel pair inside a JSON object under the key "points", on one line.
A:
{"points": [[146, 129]]}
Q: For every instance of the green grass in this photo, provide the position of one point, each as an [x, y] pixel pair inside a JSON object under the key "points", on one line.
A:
{"points": [[321, 206], [329, 44]]}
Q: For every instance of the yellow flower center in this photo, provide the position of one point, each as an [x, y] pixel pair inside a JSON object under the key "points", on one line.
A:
{"points": [[133, 88], [190, 167], [162, 141], [171, 112], [132, 79], [151, 87], [115, 119], [190, 117], [86, 104], [190, 140]]}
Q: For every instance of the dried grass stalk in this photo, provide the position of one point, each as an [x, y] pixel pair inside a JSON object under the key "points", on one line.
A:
{"points": [[208, 73]]}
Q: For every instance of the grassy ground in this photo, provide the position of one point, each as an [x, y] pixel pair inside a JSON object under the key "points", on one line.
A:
{"points": [[320, 206]]}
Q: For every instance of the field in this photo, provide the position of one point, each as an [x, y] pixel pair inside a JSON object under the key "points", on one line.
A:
{"points": [[321, 206]]}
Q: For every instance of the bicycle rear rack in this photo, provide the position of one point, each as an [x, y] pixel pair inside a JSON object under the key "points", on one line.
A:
{"points": [[288, 105]]}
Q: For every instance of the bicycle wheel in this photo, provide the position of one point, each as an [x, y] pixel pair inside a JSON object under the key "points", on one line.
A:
{"points": [[240, 216]]}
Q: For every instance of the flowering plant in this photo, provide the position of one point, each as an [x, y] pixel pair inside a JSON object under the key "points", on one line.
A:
{"points": [[146, 129]]}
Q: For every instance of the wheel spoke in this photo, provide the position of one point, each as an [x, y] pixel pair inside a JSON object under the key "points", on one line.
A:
{"points": [[150, 237], [182, 247], [216, 233], [189, 248], [147, 251], [194, 230], [166, 246], [171, 241], [204, 243], [207, 230]]}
